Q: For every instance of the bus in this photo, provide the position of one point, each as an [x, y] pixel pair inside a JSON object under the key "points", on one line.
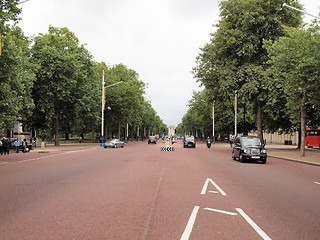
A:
{"points": [[313, 138]]}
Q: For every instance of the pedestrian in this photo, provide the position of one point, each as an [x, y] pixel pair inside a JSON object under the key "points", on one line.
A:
{"points": [[9, 144], [24, 145], [4, 146], [80, 139], [1, 146], [230, 142], [17, 145]]}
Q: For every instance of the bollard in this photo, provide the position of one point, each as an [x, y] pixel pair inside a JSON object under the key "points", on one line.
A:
{"points": [[42, 145]]}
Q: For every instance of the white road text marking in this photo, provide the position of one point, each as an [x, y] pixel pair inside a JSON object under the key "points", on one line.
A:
{"points": [[221, 211], [205, 186]]}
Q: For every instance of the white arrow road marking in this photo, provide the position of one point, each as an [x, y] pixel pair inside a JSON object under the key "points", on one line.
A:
{"points": [[205, 186], [317, 183], [213, 191], [192, 219], [221, 211], [253, 224]]}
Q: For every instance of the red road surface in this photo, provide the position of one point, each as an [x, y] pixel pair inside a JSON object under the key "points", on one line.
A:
{"points": [[139, 192]]}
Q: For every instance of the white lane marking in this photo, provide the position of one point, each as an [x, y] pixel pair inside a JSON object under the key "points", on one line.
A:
{"points": [[204, 189], [253, 225], [213, 191], [317, 183], [221, 211], [192, 219]]}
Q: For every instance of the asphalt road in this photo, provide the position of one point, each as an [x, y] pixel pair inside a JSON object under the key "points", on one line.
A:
{"points": [[139, 192]]}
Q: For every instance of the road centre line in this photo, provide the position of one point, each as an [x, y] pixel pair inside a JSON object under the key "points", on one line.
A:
{"points": [[253, 225], [221, 211], [192, 219], [205, 186]]}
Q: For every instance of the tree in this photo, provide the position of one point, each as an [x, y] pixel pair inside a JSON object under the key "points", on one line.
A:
{"points": [[296, 60], [235, 59], [17, 74], [63, 69]]}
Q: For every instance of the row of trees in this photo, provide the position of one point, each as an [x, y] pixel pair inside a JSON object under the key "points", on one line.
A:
{"points": [[263, 52], [53, 85]]}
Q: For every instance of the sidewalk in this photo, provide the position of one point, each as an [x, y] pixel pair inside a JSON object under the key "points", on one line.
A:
{"points": [[312, 156], [49, 147]]}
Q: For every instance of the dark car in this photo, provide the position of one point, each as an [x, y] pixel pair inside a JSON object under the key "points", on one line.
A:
{"points": [[249, 148], [189, 141], [152, 139]]}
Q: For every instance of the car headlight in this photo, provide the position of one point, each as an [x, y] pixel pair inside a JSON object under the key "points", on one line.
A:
{"points": [[246, 150], [263, 151]]}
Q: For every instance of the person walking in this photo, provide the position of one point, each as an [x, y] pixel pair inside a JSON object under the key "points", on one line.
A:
{"points": [[1, 146], [9, 143], [17, 145], [24, 145], [4, 146]]}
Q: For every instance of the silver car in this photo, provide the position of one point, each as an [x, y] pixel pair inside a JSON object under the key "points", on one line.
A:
{"points": [[114, 143]]}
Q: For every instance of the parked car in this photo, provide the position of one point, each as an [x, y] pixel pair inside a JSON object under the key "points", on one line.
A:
{"points": [[152, 139], [247, 148], [189, 141], [114, 143]]}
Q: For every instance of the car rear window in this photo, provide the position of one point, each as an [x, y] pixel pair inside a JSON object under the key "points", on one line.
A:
{"points": [[251, 142]]}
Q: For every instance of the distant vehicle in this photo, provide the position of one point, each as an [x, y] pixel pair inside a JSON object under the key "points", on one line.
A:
{"points": [[246, 148], [152, 139], [189, 141], [312, 138], [114, 143]]}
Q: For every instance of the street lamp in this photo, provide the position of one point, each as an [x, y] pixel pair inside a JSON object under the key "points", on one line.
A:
{"points": [[297, 9], [103, 106]]}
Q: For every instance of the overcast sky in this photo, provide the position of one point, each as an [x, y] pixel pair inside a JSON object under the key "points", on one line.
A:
{"points": [[159, 39]]}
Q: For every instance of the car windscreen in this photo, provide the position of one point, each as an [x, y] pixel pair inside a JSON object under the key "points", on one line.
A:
{"points": [[251, 142], [189, 139]]}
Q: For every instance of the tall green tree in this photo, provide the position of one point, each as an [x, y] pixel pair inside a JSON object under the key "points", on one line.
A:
{"points": [[296, 60], [63, 68], [235, 59], [16, 71]]}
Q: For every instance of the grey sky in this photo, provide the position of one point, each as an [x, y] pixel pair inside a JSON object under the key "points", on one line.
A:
{"points": [[160, 39]]}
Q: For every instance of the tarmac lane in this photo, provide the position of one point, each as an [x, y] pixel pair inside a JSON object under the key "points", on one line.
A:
{"points": [[141, 192]]}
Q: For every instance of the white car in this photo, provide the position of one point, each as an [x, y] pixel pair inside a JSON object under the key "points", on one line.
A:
{"points": [[114, 143]]}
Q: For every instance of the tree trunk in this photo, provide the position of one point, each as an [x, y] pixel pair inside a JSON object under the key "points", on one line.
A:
{"points": [[132, 133], [259, 122], [56, 142], [92, 136], [303, 124], [119, 126]]}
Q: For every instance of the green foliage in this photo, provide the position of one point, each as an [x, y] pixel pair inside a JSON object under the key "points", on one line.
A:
{"points": [[235, 58], [295, 62], [63, 69]]}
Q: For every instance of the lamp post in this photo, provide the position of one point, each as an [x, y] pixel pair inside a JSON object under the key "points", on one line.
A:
{"points": [[244, 118], [103, 106], [213, 123], [299, 10]]}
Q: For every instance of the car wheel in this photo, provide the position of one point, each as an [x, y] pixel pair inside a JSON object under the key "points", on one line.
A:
{"points": [[264, 161], [241, 158], [121, 146]]}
